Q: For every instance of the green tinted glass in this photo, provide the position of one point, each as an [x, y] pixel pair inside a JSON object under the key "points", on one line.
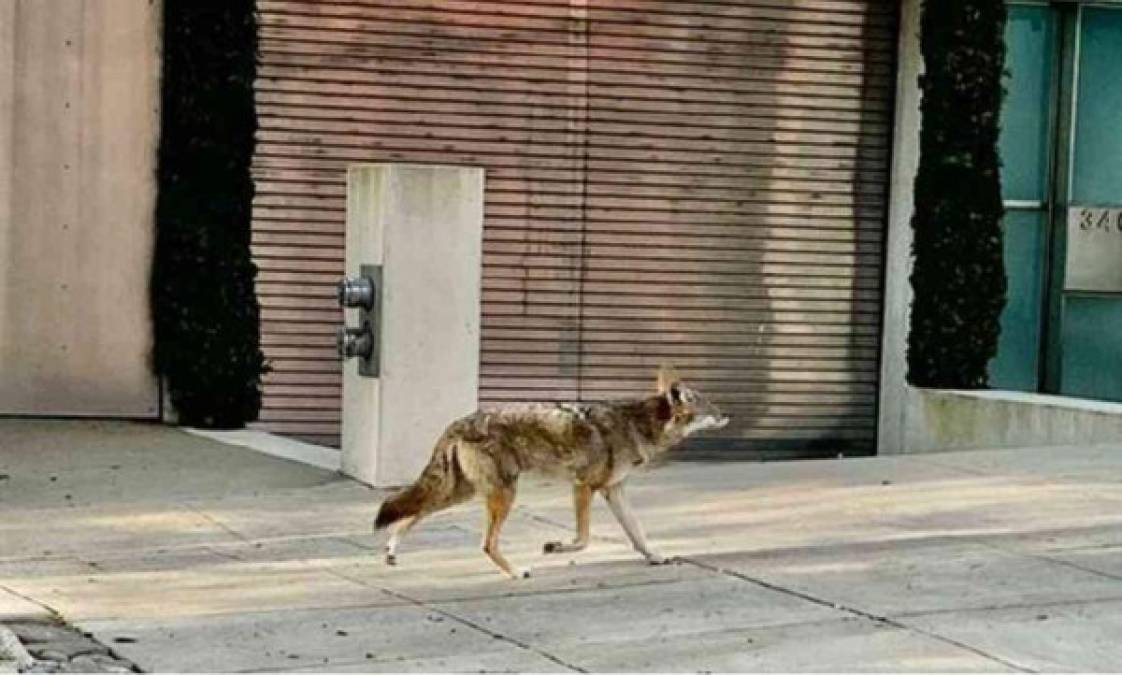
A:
{"points": [[1092, 359], [1024, 146], [1097, 172], [1018, 349], [1029, 38]]}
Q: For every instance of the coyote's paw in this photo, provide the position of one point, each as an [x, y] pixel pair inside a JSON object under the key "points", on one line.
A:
{"points": [[560, 547], [523, 573], [391, 559], [658, 559]]}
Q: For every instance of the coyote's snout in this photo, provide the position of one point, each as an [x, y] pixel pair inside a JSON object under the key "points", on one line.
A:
{"points": [[596, 445]]}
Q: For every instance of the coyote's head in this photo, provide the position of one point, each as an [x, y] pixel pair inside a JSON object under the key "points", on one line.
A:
{"points": [[689, 410]]}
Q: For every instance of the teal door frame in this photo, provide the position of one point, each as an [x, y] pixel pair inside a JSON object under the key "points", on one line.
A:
{"points": [[1065, 78], [1052, 201], [1030, 127]]}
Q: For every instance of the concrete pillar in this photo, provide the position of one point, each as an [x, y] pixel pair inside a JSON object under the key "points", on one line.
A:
{"points": [[424, 226], [898, 256]]}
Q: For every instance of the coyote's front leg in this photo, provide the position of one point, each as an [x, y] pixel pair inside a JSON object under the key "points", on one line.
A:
{"points": [[617, 500], [582, 500]]}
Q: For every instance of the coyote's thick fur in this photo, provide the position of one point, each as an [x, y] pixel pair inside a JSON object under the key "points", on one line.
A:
{"points": [[595, 445]]}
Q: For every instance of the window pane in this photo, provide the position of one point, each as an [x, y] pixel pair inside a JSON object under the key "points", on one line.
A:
{"points": [[1024, 115], [1018, 348], [1098, 128], [1092, 360]]}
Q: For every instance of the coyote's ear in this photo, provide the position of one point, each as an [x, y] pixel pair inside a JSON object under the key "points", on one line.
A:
{"points": [[667, 379]]}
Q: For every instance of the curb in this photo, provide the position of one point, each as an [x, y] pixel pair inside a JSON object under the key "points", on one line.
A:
{"points": [[14, 657]]}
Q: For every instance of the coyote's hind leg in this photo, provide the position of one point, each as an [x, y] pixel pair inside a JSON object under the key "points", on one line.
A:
{"points": [[397, 532], [499, 502]]}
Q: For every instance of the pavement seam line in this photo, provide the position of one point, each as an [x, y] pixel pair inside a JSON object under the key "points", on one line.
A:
{"points": [[1045, 557], [457, 599], [50, 610], [1011, 607], [856, 612], [1081, 568], [219, 524], [463, 621]]}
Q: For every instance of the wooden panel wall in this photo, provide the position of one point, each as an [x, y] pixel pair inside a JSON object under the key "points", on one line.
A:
{"points": [[696, 182]]}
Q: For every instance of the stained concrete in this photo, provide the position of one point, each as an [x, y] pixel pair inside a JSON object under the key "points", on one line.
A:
{"points": [[1047, 638], [936, 420], [202, 556]]}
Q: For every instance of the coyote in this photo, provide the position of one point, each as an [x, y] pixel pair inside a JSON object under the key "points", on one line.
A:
{"points": [[595, 445]]}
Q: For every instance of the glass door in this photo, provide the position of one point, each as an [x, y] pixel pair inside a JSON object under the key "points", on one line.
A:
{"points": [[1061, 150], [1026, 148], [1089, 334]]}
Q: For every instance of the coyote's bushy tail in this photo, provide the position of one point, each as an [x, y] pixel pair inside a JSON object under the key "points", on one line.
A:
{"points": [[440, 485]]}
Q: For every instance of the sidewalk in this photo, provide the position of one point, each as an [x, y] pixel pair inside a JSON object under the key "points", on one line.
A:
{"points": [[184, 554]]}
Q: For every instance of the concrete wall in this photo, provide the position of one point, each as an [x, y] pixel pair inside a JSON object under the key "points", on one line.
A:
{"points": [[78, 133], [939, 420], [898, 257]]}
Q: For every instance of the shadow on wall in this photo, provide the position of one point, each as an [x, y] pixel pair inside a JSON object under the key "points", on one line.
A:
{"points": [[870, 183]]}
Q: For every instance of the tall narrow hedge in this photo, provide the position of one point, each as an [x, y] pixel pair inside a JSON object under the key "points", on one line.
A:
{"points": [[205, 310], [958, 275]]}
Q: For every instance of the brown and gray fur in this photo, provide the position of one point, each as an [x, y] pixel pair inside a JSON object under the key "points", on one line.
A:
{"points": [[595, 445]]}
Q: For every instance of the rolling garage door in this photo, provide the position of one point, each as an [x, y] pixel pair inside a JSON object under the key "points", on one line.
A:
{"points": [[701, 183]]}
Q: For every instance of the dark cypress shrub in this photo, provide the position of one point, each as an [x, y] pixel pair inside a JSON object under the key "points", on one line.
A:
{"points": [[205, 310], [958, 275]]}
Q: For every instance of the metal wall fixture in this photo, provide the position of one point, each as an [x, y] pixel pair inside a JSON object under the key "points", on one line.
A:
{"points": [[364, 294]]}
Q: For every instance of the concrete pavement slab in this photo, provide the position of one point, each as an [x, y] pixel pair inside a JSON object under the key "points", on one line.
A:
{"points": [[116, 528], [1079, 637], [251, 562], [1104, 559], [638, 612], [221, 588], [468, 580], [299, 638], [56, 463], [1074, 537], [1002, 509], [851, 472], [1097, 464], [711, 512], [441, 560], [908, 576], [505, 661], [335, 508], [848, 644], [16, 607]]}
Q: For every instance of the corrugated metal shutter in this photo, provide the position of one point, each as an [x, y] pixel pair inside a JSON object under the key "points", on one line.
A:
{"points": [[700, 183], [736, 181]]}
